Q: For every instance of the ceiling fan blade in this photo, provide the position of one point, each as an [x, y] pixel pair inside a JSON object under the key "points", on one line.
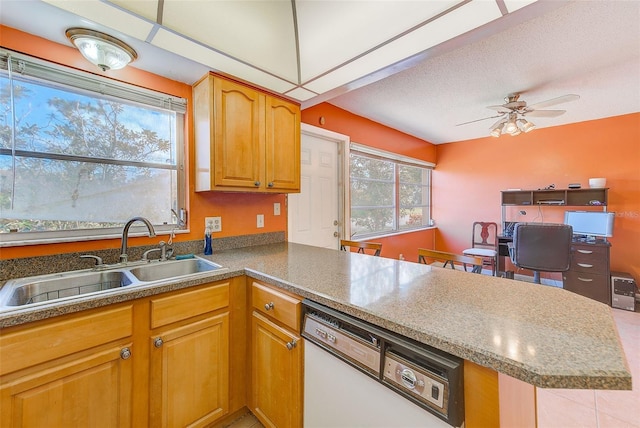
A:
{"points": [[544, 113], [501, 109], [478, 120], [554, 101]]}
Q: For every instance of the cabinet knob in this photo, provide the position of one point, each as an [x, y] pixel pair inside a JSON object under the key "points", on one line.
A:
{"points": [[269, 306], [158, 342], [292, 344], [125, 353], [270, 184], [256, 183]]}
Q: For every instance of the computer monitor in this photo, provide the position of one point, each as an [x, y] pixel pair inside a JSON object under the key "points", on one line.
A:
{"points": [[590, 224]]}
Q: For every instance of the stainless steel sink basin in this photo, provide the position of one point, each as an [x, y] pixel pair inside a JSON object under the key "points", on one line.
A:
{"points": [[173, 269], [45, 288], [51, 288]]}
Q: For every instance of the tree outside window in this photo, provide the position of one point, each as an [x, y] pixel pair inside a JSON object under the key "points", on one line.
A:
{"points": [[387, 195]]}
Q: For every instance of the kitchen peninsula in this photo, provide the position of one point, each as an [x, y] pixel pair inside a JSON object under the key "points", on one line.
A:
{"points": [[543, 336]]}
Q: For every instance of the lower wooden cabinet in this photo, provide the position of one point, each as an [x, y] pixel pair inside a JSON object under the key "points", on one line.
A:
{"points": [[90, 389], [161, 361], [74, 370], [189, 373], [191, 357], [276, 358]]}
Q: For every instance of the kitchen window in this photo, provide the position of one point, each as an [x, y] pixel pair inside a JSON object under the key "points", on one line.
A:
{"points": [[389, 193], [81, 154]]}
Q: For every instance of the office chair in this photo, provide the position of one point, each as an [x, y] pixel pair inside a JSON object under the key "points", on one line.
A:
{"points": [[541, 247], [450, 259], [361, 246], [484, 243]]}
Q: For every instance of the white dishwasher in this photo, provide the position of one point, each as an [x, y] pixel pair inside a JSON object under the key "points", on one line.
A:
{"points": [[357, 375]]}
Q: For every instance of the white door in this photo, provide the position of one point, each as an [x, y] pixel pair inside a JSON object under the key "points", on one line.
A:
{"points": [[315, 214]]}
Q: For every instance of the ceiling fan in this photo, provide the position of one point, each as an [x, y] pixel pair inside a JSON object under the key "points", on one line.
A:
{"points": [[512, 114]]}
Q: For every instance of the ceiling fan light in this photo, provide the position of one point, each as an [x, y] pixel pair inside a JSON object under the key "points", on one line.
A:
{"points": [[107, 52], [497, 130], [511, 127], [526, 126]]}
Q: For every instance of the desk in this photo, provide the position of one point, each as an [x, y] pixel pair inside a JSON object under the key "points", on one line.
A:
{"points": [[503, 251]]}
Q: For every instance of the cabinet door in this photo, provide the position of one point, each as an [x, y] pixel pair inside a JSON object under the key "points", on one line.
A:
{"points": [[89, 389], [276, 372], [189, 382], [282, 145], [238, 145]]}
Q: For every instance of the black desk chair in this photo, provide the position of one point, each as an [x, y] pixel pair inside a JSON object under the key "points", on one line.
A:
{"points": [[541, 247]]}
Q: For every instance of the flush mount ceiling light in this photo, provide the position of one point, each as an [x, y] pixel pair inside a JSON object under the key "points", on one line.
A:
{"points": [[101, 49]]}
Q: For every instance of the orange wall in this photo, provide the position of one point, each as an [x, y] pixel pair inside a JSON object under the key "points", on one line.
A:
{"points": [[367, 132], [238, 210], [470, 175]]}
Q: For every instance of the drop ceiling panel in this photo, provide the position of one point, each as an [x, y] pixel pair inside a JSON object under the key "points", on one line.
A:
{"points": [[301, 94], [334, 32], [513, 5], [459, 21], [147, 8], [256, 32], [107, 15], [217, 61]]}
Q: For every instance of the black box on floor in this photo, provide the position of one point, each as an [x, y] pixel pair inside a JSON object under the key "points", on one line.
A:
{"points": [[623, 291]]}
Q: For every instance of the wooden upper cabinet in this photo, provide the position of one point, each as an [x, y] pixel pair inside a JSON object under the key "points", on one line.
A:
{"points": [[282, 145], [245, 140]]}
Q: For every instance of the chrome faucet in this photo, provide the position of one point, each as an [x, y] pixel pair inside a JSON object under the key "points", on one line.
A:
{"points": [[125, 235]]}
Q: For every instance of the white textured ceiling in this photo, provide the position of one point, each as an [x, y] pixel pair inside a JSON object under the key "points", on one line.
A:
{"points": [[419, 66]]}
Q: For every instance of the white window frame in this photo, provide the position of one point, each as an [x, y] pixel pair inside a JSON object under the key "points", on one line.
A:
{"points": [[14, 62], [392, 157]]}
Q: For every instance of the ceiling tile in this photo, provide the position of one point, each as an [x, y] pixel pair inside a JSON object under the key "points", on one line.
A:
{"points": [[218, 62], [147, 8], [108, 16], [256, 32], [334, 32], [459, 21], [301, 94], [513, 5]]}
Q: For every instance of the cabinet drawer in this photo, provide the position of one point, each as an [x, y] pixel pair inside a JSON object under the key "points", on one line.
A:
{"points": [[589, 285], [187, 304], [589, 264], [63, 336], [590, 258], [277, 305]]}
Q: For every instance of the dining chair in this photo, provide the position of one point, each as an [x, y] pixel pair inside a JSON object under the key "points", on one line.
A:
{"points": [[361, 246], [484, 243], [541, 247], [450, 259]]}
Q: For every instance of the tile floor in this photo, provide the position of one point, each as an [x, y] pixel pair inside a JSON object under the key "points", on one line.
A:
{"points": [[569, 408]]}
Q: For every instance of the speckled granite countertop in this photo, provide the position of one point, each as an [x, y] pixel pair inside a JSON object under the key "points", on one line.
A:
{"points": [[545, 336]]}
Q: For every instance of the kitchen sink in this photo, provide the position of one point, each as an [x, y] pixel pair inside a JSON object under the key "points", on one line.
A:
{"points": [[45, 288], [173, 269], [63, 285]]}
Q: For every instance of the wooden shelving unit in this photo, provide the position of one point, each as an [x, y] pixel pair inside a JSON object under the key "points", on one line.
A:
{"points": [[568, 197]]}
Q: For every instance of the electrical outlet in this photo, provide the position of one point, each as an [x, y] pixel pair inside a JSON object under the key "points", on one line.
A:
{"points": [[213, 223], [276, 208], [260, 220]]}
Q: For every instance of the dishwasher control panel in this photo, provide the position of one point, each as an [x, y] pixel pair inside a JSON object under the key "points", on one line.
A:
{"points": [[416, 381]]}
